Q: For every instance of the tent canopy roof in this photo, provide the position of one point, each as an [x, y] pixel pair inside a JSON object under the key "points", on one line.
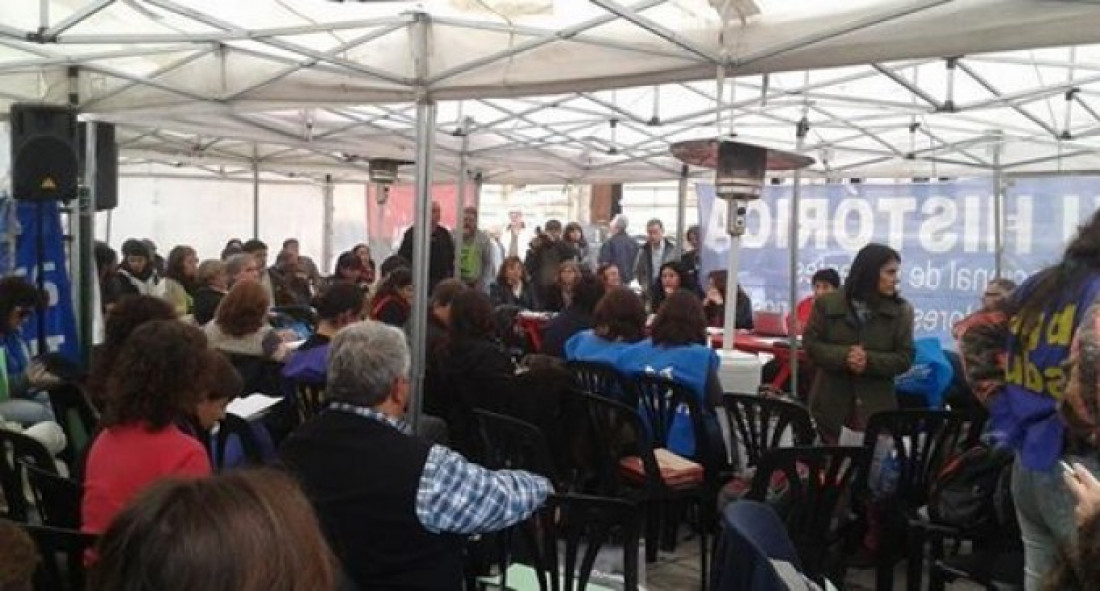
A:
{"points": [[316, 86]]}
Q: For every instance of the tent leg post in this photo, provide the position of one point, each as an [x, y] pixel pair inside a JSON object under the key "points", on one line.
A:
{"points": [[425, 138]]}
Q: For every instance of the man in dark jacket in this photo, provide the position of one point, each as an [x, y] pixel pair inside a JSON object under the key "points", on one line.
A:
{"points": [[545, 256], [620, 249], [441, 254]]}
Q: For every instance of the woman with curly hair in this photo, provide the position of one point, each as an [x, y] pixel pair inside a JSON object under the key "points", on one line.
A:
{"points": [[512, 288], [130, 313], [240, 325], [157, 380]]}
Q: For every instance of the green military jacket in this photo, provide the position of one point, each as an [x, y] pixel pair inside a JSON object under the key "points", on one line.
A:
{"points": [[887, 337]]}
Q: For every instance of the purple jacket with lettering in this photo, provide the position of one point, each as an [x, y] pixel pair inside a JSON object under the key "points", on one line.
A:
{"points": [[1026, 415]]}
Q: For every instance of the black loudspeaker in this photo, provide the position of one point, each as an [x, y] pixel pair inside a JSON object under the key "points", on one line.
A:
{"points": [[106, 155], [616, 199], [43, 152]]}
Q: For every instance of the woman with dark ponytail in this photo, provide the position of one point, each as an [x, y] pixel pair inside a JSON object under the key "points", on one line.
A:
{"points": [[859, 339]]}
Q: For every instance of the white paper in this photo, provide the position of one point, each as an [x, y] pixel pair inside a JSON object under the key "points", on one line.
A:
{"points": [[252, 405]]}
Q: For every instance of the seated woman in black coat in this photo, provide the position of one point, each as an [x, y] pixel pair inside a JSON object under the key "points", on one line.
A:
{"points": [[714, 304], [512, 287], [473, 369], [672, 278], [575, 318]]}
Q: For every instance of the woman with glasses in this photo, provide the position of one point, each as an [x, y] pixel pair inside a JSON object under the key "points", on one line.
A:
{"points": [[23, 404]]}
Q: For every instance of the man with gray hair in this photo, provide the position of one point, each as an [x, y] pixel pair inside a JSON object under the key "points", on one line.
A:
{"points": [[395, 508], [620, 249]]}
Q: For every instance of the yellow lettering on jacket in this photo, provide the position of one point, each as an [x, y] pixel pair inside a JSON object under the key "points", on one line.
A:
{"points": [[1060, 329]]}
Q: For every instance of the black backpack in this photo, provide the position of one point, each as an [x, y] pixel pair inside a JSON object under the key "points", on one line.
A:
{"points": [[966, 490]]}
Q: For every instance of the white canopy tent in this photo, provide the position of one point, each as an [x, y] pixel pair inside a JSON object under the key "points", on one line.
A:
{"points": [[522, 89], [889, 87]]}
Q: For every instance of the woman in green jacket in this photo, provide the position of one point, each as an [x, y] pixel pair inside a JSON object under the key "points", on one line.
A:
{"points": [[859, 339]]}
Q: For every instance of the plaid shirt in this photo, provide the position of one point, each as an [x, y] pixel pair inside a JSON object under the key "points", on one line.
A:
{"points": [[457, 496]]}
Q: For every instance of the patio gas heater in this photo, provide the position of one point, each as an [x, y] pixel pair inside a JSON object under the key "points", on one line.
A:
{"points": [[739, 178]]}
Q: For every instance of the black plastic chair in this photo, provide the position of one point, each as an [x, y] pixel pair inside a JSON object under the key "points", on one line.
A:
{"points": [[814, 506], [599, 378], [232, 425], [57, 498], [761, 423], [62, 554], [512, 444], [568, 523], [17, 450], [309, 399], [78, 419], [752, 536], [259, 374], [923, 440]]}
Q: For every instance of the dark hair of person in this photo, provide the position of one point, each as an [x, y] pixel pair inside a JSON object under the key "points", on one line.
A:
{"points": [[174, 267], [254, 245], [552, 226], [829, 276], [502, 275], [339, 298], [603, 269], [15, 292], [680, 321], [348, 260], [693, 229], [681, 272], [243, 310], [231, 248], [105, 256], [20, 556], [136, 248], [1003, 283], [392, 263], [863, 277], [620, 316], [129, 313], [471, 317], [223, 381], [587, 293], [392, 284], [249, 530], [570, 227], [290, 241], [445, 292], [158, 376]]}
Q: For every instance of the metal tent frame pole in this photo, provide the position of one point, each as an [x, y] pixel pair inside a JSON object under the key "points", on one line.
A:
{"points": [[802, 130], [255, 191], [422, 236], [998, 212], [86, 278], [681, 206], [425, 127], [460, 202], [328, 211]]}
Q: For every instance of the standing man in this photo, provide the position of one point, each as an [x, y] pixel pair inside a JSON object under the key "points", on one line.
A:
{"points": [[475, 266], [441, 253], [258, 249], [657, 251], [544, 259], [516, 237], [620, 249], [306, 263]]}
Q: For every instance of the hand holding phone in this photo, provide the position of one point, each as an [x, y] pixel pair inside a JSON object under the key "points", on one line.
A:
{"points": [[1084, 487]]}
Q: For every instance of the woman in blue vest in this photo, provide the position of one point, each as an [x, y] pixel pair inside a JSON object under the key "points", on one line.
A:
{"points": [[1047, 311], [676, 350], [23, 403], [619, 321]]}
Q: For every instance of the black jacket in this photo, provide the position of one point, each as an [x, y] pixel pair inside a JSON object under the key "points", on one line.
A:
{"points": [[441, 263]]}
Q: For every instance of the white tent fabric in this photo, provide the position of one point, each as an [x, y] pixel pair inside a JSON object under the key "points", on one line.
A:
{"points": [[222, 85]]}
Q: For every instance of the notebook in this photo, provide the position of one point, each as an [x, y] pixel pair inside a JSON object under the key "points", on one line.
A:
{"points": [[251, 405]]}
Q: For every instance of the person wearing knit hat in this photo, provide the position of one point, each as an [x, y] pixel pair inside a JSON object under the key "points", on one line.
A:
{"points": [[138, 269]]}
